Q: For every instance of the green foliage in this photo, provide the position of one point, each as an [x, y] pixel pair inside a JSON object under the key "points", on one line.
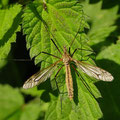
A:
{"points": [[12, 106], [111, 59], [40, 25], [4, 3], [56, 22], [104, 39], [9, 25], [60, 20], [102, 25], [8, 104]]}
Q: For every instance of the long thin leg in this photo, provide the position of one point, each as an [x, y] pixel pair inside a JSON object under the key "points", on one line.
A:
{"points": [[56, 46], [84, 50], [46, 27], [56, 76], [21, 60], [28, 60], [51, 55], [83, 81], [80, 49], [61, 103], [50, 62], [57, 85]]}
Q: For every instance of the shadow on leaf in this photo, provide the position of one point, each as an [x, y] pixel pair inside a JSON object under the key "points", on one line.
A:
{"points": [[110, 91]]}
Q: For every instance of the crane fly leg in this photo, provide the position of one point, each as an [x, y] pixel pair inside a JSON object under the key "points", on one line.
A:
{"points": [[56, 76], [83, 81]]}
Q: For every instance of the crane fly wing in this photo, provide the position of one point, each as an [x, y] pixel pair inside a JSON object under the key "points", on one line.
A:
{"points": [[40, 76], [94, 71]]}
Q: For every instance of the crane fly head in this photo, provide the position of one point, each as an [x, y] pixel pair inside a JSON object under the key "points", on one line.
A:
{"points": [[65, 49]]}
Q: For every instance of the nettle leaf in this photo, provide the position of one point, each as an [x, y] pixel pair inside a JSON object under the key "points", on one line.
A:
{"points": [[83, 107], [61, 20], [9, 24]]}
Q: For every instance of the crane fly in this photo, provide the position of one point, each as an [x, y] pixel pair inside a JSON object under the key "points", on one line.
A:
{"points": [[66, 58]]}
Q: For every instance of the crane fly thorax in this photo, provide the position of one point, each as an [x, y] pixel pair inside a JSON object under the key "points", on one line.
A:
{"points": [[66, 60], [66, 57]]}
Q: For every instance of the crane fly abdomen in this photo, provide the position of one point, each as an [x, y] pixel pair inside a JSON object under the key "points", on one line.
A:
{"points": [[69, 81]]}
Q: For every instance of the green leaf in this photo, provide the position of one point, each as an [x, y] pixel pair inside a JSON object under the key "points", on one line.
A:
{"points": [[34, 110], [9, 25], [12, 106], [103, 27], [10, 101], [111, 59], [110, 53], [56, 22], [103, 36], [4, 3], [33, 91], [83, 107]]}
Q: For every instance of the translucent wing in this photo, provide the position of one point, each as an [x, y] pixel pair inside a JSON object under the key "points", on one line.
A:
{"points": [[94, 71], [40, 76]]}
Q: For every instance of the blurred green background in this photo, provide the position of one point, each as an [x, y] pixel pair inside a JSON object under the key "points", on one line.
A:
{"points": [[104, 38]]}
